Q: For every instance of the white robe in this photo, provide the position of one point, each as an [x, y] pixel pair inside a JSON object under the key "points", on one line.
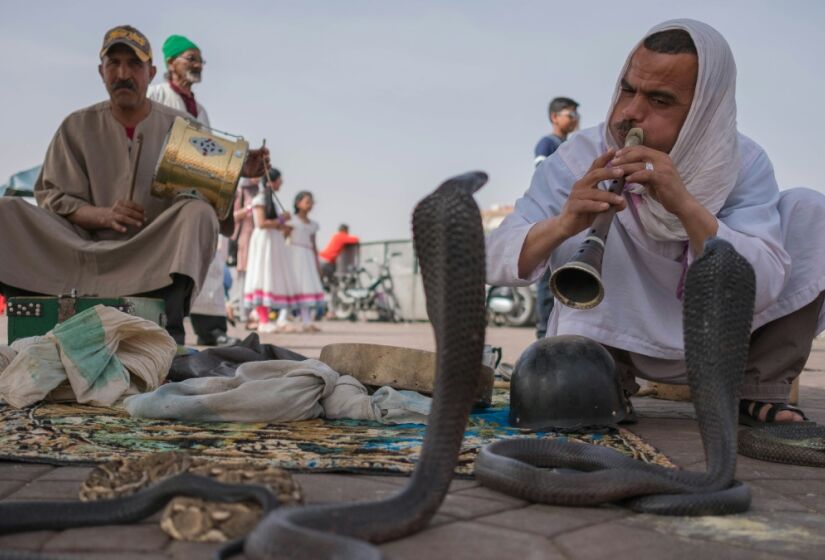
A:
{"points": [[211, 299], [165, 95], [781, 234]]}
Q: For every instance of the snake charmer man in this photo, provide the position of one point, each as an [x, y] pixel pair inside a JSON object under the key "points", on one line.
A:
{"points": [[87, 235], [696, 176]]}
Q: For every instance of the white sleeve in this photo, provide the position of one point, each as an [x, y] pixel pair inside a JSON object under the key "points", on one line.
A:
{"points": [[750, 222], [155, 93], [545, 198]]}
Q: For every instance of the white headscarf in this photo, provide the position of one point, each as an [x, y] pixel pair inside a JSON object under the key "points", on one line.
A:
{"points": [[706, 153]]}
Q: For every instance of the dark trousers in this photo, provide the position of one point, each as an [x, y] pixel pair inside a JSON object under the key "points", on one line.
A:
{"points": [[208, 327], [778, 351], [544, 303], [176, 296]]}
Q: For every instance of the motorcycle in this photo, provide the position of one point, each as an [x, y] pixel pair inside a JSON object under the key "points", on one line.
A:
{"points": [[511, 306], [359, 292]]}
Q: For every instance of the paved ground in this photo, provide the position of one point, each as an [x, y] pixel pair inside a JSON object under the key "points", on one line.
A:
{"points": [[787, 519]]}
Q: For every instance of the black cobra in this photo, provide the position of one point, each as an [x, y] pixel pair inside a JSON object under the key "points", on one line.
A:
{"points": [[794, 443], [16, 517], [718, 309], [449, 242]]}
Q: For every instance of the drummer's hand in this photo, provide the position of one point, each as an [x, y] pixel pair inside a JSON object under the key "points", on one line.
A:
{"points": [[285, 216], [123, 214], [257, 162]]}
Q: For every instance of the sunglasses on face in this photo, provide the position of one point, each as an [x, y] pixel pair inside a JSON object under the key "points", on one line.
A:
{"points": [[574, 115], [193, 60]]}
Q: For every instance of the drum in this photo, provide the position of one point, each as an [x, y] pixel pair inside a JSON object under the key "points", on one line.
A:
{"points": [[197, 161]]}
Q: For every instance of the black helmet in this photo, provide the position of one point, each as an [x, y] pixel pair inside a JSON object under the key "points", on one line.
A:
{"points": [[566, 382]]}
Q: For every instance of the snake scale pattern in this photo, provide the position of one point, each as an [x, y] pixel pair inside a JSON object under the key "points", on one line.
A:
{"points": [[450, 246], [718, 309], [449, 242]]}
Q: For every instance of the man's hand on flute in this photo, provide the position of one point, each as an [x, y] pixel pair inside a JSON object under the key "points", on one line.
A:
{"points": [[655, 171], [586, 201]]}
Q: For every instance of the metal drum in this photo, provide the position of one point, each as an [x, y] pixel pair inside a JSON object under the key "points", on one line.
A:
{"points": [[198, 162]]}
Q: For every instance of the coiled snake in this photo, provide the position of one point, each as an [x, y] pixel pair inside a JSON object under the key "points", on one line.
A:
{"points": [[718, 309], [449, 243]]}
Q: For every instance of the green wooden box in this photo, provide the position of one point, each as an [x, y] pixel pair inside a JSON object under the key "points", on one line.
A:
{"points": [[35, 316]]}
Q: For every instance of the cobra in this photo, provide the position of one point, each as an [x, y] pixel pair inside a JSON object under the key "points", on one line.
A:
{"points": [[449, 242], [718, 308]]}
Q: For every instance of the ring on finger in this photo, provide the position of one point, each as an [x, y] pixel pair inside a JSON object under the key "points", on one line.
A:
{"points": [[648, 166]]}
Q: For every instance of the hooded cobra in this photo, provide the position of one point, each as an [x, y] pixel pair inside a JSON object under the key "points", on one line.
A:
{"points": [[449, 242], [718, 308]]}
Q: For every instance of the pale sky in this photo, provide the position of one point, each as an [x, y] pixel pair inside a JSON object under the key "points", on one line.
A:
{"points": [[370, 105]]}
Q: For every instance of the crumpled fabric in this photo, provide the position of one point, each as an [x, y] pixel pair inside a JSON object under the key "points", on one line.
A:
{"points": [[102, 353], [278, 391], [223, 361], [7, 354]]}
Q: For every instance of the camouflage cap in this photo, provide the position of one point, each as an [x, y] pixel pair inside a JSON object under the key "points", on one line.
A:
{"points": [[129, 36]]}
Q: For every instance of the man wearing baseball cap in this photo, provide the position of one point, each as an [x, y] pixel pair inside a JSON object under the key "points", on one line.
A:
{"points": [[88, 234]]}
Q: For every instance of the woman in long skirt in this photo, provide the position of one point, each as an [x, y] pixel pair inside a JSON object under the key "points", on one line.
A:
{"points": [[269, 283], [309, 292]]}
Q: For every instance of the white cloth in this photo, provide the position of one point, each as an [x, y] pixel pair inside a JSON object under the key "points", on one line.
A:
{"points": [[641, 312], [308, 288], [278, 391], [211, 299], [7, 354], [165, 95], [706, 153], [269, 278], [102, 353]]}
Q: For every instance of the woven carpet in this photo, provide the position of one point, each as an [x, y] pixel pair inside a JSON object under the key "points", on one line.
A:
{"points": [[62, 434]]}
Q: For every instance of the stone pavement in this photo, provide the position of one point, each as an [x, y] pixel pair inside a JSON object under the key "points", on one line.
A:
{"points": [[787, 518]]}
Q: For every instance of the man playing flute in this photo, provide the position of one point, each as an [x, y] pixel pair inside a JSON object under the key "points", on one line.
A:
{"points": [[696, 176]]}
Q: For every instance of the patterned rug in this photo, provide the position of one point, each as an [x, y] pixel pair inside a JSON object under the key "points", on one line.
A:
{"points": [[61, 434]]}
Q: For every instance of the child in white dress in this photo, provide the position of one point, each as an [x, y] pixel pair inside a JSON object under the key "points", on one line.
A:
{"points": [[309, 293], [269, 283]]}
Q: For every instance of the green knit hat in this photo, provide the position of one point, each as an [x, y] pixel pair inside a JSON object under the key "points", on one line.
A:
{"points": [[175, 45]]}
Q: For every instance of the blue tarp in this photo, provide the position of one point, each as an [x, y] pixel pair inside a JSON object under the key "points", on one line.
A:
{"points": [[22, 183]]}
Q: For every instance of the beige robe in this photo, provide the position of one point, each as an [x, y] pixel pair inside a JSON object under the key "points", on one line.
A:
{"points": [[89, 161]]}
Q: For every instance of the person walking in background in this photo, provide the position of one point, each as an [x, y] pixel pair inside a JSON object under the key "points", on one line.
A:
{"points": [[269, 283], [329, 255], [329, 263], [564, 118], [307, 269], [244, 226]]}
